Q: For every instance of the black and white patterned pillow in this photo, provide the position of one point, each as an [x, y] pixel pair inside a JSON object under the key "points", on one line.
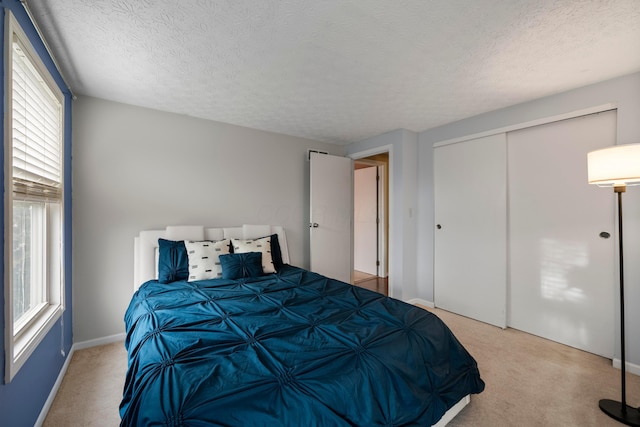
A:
{"points": [[203, 258], [257, 245]]}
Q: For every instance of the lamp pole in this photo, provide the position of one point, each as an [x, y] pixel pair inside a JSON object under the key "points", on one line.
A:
{"points": [[618, 166], [620, 410]]}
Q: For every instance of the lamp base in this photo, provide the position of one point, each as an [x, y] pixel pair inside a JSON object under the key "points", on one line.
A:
{"points": [[614, 409]]}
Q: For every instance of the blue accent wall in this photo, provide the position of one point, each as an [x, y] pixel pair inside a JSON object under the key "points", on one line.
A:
{"points": [[21, 400]]}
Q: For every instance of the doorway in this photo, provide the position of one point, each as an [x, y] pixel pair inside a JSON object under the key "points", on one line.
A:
{"points": [[371, 219]]}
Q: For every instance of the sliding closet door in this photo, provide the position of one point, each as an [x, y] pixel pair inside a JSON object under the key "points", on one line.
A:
{"points": [[562, 273], [470, 237]]}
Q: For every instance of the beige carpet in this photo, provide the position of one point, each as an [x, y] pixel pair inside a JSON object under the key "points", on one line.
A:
{"points": [[529, 382], [91, 390]]}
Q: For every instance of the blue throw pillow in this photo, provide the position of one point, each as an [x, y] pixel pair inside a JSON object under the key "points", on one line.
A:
{"points": [[240, 266], [173, 261]]}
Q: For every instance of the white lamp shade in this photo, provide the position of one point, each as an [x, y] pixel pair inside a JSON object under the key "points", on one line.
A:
{"points": [[614, 166]]}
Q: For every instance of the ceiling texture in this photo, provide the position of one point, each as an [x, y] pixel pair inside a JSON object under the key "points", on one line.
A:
{"points": [[337, 71]]}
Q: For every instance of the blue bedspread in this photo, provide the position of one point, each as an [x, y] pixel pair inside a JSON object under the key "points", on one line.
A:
{"points": [[287, 349]]}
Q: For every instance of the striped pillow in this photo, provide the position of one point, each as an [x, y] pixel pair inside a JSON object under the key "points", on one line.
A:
{"points": [[203, 258]]}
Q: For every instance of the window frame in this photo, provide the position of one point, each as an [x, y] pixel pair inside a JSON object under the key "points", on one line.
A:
{"points": [[19, 345]]}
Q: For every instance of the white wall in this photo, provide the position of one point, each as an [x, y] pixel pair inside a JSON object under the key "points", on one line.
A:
{"points": [[403, 171], [136, 168], [624, 93]]}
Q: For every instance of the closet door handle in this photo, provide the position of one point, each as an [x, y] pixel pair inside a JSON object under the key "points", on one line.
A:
{"points": [[604, 235], [438, 226]]}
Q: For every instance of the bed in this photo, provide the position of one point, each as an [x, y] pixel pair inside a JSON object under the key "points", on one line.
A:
{"points": [[283, 348]]}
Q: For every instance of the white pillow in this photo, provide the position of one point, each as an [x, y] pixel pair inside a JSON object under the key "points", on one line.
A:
{"points": [[204, 262], [258, 245]]}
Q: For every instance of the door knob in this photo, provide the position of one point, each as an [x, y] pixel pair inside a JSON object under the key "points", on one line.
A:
{"points": [[314, 225], [605, 235], [438, 226]]}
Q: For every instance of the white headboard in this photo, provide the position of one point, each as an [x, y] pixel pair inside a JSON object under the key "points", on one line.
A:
{"points": [[145, 264]]}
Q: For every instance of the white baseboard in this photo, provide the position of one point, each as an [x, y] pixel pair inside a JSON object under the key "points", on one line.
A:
{"points": [[100, 341], [420, 301], [54, 390], [630, 367]]}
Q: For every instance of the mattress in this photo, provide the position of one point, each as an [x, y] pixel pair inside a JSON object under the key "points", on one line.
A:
{"points": [[293, 348]]}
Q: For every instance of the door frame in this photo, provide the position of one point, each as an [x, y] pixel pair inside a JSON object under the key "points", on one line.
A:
{"points": [[389, 244], [523, 125], [381, 250]]}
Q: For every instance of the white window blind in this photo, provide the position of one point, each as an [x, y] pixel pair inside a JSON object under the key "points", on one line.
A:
{"points": [[37, 163]]}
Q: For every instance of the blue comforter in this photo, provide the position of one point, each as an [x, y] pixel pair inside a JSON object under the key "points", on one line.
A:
{"points": [[288, 349]]}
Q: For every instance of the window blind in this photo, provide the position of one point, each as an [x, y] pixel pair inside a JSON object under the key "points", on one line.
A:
{"points": [[36, 121]]}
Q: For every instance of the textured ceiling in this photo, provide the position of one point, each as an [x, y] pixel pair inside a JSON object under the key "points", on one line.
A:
{"points": [[337, 70]]}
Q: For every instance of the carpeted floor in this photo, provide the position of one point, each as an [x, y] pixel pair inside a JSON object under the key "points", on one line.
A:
{"points": [[91, 390], [530, 381]]}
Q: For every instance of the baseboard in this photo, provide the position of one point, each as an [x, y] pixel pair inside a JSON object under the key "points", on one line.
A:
{"points": [[630, 367], [54, 390], [420, 301], [100, 341]]}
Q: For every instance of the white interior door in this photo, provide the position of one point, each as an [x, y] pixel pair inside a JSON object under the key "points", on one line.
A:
{"points": [[470, 271], [331, 233], [365, 220], [562, 273]]}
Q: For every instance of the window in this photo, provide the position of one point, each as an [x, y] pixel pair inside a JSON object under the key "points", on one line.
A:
{"points": [[33, 198]]}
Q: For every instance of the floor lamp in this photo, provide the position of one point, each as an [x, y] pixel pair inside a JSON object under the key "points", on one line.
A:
{"points": [[617, 167]]}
